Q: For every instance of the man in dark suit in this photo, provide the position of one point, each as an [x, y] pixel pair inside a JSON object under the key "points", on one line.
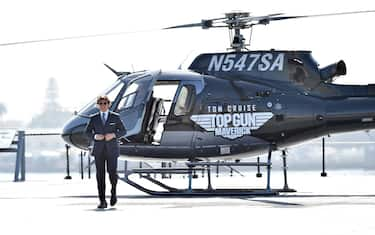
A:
{"points": [[104, 129]]}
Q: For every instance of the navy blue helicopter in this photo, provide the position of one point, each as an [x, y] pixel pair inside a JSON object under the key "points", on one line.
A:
{"points": [[232, 104], [229, 105]]}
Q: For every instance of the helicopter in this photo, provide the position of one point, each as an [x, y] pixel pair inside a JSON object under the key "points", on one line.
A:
{"points": [[229, 105]]}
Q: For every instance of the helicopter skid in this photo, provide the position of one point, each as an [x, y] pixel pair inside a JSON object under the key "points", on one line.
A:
{"points": [[227, 192], [200, 192]]}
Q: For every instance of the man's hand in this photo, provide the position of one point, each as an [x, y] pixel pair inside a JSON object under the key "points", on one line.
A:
{"points": [[99, 137], [109, 136]]}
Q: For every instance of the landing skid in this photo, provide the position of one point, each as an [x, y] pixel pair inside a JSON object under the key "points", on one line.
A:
{"points": [[173, 192], [209, 191]]}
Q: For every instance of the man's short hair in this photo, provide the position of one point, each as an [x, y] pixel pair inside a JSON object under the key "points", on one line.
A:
{"points": [[102, 98]]}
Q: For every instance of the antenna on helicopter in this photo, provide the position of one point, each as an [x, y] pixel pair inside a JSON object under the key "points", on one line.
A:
{"points": [[118, 74], [184, 60], [237, 21]]}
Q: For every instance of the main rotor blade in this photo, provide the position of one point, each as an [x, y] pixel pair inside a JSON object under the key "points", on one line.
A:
{"points": [[73, 37], [204, 24], [255, 18], [319, 15], [185, 26]]}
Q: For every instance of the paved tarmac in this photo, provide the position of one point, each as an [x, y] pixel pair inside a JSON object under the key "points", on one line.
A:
{"points": [[342, 203]]}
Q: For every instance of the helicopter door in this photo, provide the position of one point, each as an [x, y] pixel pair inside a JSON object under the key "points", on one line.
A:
{"points": [[133, 104], [178, 130]]}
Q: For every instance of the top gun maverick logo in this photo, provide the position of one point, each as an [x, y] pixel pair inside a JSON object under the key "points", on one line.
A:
{"points": [[231, 121]]}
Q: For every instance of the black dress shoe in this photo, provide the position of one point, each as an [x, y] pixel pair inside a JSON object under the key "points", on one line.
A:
{"points": [[102, 205], [113, 199]]}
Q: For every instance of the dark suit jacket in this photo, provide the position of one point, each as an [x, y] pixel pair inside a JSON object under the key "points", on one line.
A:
{"points": [[112, 125]]}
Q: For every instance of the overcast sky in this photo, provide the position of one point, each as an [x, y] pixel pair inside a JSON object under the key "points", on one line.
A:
{"points": [[77, 64]]}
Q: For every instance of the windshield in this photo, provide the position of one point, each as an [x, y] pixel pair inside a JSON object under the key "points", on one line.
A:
{"points": [[128, 98], [111, 92]]}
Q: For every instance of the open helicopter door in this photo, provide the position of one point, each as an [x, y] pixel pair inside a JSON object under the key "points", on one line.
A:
{"points": [[133, 105]]}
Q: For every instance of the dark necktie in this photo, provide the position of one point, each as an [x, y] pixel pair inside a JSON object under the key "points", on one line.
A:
{"points": [[103, 118]]}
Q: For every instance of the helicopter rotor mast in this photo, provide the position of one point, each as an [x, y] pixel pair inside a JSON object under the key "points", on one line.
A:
{"points": [[235, 25]]}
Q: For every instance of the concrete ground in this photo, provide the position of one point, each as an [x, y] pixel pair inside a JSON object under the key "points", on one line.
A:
{"points": [[342, 203]]}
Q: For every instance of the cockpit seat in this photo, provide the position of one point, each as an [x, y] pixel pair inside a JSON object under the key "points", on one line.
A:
{"points": [[157, 111]]}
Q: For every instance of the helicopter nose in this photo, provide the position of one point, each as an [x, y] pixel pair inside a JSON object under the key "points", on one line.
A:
{"points": [[73, 132]]}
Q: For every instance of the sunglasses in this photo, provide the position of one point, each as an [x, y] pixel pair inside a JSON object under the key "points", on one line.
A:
{"points": [[101, 103]]}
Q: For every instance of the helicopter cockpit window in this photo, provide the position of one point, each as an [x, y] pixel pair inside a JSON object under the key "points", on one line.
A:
{"points": [[184, 100], [111, 92], [128, 98]]}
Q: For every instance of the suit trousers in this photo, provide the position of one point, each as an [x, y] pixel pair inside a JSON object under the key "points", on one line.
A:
{"points": [[101, 160]]}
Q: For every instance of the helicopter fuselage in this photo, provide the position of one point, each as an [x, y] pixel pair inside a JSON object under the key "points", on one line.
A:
{"points": [[231, 105]]}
